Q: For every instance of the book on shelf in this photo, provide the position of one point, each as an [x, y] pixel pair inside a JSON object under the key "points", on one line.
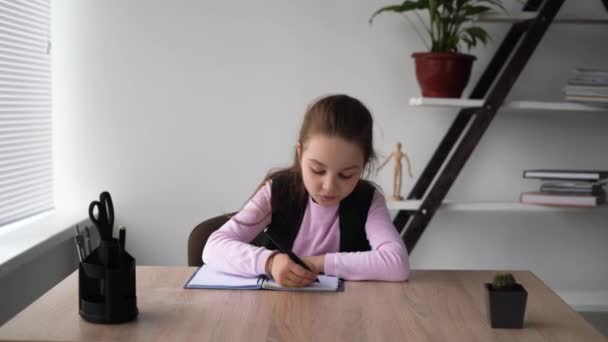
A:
{"points": [[587, 76], [573, 175], [586, 90], [573, 188], [599, 100], [588, 86], [562, 199], [576, 184], [584, 71], [567, 189], [588, 81]]}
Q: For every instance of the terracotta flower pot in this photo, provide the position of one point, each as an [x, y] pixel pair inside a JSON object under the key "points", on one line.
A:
{"points": [[442, 74]]}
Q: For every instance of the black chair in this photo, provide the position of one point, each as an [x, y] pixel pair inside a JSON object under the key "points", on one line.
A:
{"points": [[200, 234]]}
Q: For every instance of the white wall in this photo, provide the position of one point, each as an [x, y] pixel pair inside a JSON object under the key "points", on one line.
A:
{"points": [[179, 108]]}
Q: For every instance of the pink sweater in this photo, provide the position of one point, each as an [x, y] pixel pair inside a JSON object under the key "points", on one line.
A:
{"points": [[228, 249]]}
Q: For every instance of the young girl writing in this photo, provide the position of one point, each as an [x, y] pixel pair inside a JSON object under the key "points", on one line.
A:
{"points": [[320, 208]]}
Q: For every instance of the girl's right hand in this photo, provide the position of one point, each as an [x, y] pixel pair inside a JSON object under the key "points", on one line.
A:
{"points": [[289, 274]]}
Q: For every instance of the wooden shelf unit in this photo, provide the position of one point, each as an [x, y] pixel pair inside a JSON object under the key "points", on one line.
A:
{"points": [[477, 112]]}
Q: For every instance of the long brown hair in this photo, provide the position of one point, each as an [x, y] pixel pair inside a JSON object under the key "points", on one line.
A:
{"points": [[339, 116]]}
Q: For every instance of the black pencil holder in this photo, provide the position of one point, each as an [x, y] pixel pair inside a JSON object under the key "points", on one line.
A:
{"points": [[106, 285]]}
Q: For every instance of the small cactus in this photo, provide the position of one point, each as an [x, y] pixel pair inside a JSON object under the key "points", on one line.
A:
{"points": [[503, 281]]}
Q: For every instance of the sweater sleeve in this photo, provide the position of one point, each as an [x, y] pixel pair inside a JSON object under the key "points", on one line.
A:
{"points": [[388, 258], [228, 249]]}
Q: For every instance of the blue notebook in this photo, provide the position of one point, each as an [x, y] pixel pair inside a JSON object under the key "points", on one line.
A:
{"points": [[207, 277]]}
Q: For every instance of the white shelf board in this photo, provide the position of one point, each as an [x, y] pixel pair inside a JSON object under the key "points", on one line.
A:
{"points": [[512, 105], [403, 205], [485, 206], [560, 19]]}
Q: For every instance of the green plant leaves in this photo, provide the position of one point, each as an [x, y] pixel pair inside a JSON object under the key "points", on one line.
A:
{"points": [[475, 10], [447, 20], [471, 35], [407, 5]]}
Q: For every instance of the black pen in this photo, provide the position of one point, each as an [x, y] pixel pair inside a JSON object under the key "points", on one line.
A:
{"points": [[80, 245], [289, 253], [122, 236], [87, 239]]}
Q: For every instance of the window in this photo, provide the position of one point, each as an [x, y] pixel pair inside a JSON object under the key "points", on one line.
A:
{"points": [[26, 184]]}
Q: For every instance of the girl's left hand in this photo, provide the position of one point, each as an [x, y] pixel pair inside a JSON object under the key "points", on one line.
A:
{"points": [[317, 262]]}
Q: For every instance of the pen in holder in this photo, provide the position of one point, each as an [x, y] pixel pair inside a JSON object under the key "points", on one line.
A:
{"points": [[106, 277]]}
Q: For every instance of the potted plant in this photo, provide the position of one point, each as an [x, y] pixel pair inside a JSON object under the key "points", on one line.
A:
{"points": [[506, 302], [444, 71]]}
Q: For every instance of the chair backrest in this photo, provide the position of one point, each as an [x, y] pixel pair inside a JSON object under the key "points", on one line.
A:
{"points": [[200, 234]]}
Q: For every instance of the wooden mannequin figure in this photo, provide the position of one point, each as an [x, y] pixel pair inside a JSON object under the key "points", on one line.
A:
{"points": [[397, 155]]}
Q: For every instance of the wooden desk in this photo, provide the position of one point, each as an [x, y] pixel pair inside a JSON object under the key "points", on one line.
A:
{"points": [[432, 306]]}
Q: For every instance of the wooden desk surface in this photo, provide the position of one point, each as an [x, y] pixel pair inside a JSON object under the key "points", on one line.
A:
{"points": [[432, 306]]}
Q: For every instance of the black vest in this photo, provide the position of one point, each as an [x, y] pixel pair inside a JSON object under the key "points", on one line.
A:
{"points": [[353, 210]]}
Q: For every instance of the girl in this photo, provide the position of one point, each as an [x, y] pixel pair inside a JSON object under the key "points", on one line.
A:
{"points": [[319, 207]]}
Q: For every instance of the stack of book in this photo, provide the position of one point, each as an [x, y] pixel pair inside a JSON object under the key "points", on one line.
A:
{"points": [[589, 86], [573, 188]]}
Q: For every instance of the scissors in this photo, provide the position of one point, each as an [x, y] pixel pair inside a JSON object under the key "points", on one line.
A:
{"points": [[105, 215]]}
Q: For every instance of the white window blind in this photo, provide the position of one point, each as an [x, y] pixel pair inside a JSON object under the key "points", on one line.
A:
{"points": [[26, 184]]}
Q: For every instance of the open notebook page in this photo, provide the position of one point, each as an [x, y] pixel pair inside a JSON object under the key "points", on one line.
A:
{"points": [[208, 278], [326, 283]]}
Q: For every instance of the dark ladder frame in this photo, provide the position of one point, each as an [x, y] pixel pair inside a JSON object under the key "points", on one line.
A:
{"points": [[459, 142]]}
